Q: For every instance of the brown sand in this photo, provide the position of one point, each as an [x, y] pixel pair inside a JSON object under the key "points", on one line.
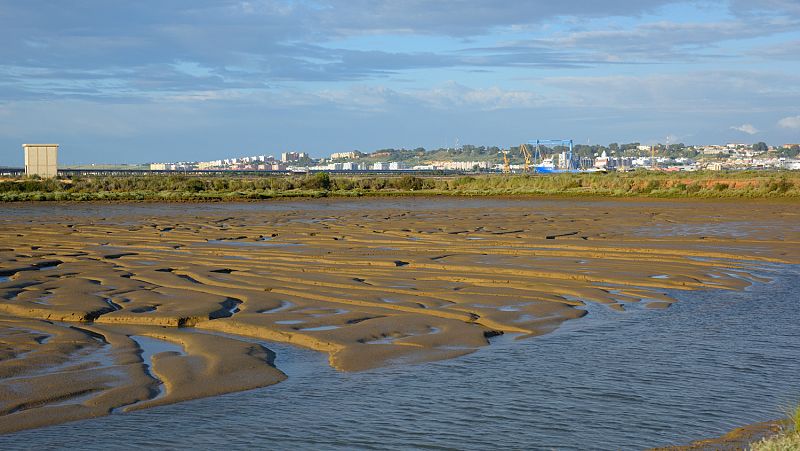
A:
{"points": [[369, 286]]}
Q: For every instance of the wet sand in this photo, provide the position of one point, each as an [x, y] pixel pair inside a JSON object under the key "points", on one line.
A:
{"points": [[369, 282]]}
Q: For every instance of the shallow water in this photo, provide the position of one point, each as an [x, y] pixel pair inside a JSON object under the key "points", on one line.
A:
{"points": [[711, 362], [150, 347], [100, 211], [728, 229]]}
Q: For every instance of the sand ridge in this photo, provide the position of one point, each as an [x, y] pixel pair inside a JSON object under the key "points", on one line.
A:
{"points": [[369, 286]]}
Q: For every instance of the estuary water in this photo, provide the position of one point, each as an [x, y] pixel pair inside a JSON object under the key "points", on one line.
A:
{"points": [[642, 378]]}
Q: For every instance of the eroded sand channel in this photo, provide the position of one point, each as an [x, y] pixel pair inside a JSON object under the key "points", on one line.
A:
{"points": [[370, 282]]}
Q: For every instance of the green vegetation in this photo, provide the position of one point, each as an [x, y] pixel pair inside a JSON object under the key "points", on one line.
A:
{"points": [[421, 156], [788, 440], [493, 154], [788, 152], [744, 184]]}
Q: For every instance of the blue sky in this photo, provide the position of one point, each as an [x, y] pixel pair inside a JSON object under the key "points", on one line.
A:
{"points": [[197, 79]]}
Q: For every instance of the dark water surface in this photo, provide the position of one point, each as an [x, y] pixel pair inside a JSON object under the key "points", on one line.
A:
{"points": [[711, 362]]}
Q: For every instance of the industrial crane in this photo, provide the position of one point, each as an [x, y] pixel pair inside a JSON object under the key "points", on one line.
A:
{"points": [[526, 153], [531, 153]]}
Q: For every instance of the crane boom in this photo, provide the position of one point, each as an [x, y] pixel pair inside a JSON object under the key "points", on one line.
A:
{"points": [[524, 148]]}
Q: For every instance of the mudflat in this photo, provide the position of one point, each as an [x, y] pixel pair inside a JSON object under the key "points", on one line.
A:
{"points": [[116, 307]]}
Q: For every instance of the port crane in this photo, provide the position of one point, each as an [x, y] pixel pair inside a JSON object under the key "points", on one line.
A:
{"points": [[525, 150], [526, 153], [531, 153]]}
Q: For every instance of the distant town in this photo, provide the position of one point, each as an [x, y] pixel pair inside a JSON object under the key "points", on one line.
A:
{"points": [[468, 158]]}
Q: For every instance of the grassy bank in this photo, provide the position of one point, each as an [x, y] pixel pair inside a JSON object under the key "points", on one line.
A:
{"points": [[785, 441], [747, 184]]}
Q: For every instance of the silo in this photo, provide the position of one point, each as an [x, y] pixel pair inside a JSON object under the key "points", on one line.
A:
{"points": [[41, 159]]}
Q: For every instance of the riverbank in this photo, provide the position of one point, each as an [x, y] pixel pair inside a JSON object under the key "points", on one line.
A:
{"points": [[738, 439], [642, 184], [371, 283], [778, 435], [788, 437]]}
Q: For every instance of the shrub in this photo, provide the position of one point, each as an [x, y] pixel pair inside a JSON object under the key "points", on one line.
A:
{"points": [[320, 180], [344, 184], [410, 183], [693, 188], [780, 186], [195, 186]]}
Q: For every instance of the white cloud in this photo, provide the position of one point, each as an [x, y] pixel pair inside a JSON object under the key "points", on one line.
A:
{"points": [[447, 96], [790, 122], [746, 128], [362, 97], [721, 92], [452, 95]]}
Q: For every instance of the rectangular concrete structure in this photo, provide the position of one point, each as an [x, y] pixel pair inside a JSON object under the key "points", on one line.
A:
{"points": [[41, 159]]}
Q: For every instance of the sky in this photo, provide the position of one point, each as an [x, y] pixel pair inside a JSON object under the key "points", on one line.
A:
{"points": [[188, 80]]}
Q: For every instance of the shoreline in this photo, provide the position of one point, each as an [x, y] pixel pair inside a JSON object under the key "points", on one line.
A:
{"points": [[266, 197], [739, 438], [413, 195], [188, 188]]}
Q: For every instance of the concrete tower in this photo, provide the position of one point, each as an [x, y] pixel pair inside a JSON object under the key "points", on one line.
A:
{"points": [[41, 159]]}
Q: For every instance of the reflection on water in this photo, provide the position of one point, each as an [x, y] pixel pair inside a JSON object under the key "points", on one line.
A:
{"points": [[611, 380]]}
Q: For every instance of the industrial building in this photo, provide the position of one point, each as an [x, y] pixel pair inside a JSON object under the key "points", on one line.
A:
{"points": [[41, 159]]}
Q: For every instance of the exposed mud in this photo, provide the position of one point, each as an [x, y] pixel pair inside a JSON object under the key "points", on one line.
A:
{"points": [[368, 285]]}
